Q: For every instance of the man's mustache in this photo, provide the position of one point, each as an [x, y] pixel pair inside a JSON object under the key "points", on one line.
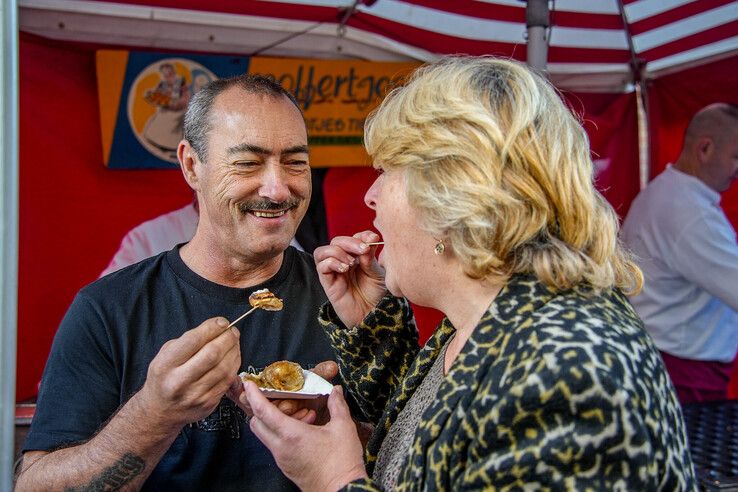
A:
{"points": [[267, 205]]}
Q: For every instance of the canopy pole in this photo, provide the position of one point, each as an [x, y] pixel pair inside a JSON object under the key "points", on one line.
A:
{"points": [[537, 22], [8, 236], [644, 142], [638, 71]]}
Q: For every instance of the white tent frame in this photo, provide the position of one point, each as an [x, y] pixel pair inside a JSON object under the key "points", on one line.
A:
{"points": [[8, 237]]}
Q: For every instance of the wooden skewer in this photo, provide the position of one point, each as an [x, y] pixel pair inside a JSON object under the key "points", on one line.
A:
{"points": [[242, 316], [375, 244]]}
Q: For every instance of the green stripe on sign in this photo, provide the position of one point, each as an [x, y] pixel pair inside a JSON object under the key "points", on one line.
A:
{"points": [[336, 140]]}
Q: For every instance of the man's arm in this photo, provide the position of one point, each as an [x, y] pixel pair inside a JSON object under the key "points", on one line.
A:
{"points": [[708, 256], [184, 383], [121, 456]]}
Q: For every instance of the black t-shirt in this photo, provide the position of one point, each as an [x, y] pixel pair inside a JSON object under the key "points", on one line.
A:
{"points": [[116, 326]]}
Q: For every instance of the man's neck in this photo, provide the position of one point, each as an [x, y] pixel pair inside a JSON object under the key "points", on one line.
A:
{"points": [[687, 167], [216, 265], [692, 168]]}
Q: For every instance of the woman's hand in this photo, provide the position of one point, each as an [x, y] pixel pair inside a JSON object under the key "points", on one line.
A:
{"points": [[315, 458], [350, 275]]}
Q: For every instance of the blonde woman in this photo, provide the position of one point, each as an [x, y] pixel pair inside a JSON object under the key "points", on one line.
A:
{"points": [[540, 376]]}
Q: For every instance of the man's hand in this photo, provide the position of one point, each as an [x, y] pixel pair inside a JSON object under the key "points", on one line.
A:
{"points": [[185, 383], [190, 374]]}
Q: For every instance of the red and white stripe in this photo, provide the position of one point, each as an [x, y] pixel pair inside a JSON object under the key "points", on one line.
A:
{"points": [[588, 42]]}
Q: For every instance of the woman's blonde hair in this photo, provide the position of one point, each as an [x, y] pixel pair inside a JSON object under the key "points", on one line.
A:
{"points": [[497, 164]]}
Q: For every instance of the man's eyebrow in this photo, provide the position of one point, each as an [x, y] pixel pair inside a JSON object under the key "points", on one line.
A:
{"points": [[297, 149], [255, 149], [245, 147]]}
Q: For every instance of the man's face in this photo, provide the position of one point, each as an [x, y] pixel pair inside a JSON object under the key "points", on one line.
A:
{"points": [[722, 161], [167, 72], [255, 187]]}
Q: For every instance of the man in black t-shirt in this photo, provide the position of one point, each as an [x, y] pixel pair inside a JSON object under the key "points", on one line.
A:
{"points": [[133, 394]]}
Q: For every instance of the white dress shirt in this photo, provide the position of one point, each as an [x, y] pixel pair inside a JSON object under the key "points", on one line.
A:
{"points": [[155, 236], [688, 253]]}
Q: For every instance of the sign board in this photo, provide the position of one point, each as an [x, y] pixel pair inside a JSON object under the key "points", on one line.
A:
{"points": [[143, 97]]}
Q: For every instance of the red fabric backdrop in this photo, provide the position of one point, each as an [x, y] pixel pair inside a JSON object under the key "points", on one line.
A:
{"points": [[611, 122], [73, 211]]}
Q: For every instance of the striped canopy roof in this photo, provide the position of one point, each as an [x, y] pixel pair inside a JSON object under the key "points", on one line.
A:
{"points": [[592, 43]]}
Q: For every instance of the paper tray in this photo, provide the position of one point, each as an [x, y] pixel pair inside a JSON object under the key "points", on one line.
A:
{"points": [[314, 387]]}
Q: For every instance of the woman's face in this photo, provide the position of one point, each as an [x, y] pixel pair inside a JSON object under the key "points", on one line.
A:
{"points": [[407, 255]]}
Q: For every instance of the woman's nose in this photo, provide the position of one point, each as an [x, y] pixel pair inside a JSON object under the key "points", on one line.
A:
{"points": [[370, 198]]}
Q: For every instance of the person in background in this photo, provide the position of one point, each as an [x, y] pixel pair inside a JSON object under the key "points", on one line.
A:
{"points": [[134, 391], [157, 235], [541, 375], [154, 236], [688, 253]]}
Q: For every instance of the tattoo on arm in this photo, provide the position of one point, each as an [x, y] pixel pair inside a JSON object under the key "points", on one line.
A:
{"points": [[115, 476]]}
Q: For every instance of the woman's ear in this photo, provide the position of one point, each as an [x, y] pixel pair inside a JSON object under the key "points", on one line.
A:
{"points": [[188, 162]]}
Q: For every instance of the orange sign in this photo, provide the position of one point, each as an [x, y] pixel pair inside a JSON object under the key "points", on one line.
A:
{"points": [[143, 96]]}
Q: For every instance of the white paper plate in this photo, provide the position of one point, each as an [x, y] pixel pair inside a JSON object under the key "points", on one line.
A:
{"points": [[314, 387]]}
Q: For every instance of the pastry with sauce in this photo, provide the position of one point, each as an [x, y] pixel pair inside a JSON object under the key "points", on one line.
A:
{"points": [[282, 375]]}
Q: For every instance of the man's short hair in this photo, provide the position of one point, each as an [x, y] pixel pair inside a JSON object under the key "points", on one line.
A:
{"points": [[197, 124], [730, 110], [715, 121]]}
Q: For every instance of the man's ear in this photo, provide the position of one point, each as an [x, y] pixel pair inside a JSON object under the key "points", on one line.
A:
{"points": [[705, 147], [188, 162]]}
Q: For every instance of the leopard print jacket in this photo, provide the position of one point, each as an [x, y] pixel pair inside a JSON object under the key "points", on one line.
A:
{"points": [[552, 391]]}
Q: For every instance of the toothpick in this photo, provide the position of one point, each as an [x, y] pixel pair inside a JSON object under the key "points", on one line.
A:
{"points": [[242, 316]]}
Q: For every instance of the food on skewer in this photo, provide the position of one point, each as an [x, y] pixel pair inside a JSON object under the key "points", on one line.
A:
{"points": [[265, 300], [282, 375], [261, 299]]}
